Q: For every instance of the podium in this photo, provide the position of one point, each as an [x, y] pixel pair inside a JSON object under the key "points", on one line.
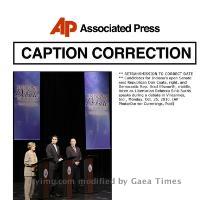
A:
{"points": [[88, 174], [67, 177], [44, 178]]}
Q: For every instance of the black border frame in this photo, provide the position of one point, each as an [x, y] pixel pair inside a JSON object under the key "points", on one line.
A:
{"points": [[103, 42]]}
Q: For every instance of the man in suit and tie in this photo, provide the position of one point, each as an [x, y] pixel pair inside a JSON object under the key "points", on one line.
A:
{"points": [[74, 151], [53, 152]]}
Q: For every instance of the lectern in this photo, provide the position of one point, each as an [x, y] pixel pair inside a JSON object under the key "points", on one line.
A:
{"points": [[67, 177], [88, 174], [44, 178]]}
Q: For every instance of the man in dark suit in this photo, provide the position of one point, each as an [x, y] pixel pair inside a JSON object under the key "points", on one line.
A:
{"points": [[53, 152], [74, 151]]}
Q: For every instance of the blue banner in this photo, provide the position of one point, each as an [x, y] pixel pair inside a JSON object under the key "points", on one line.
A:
{"points": [[97, 110], [26, 105]]}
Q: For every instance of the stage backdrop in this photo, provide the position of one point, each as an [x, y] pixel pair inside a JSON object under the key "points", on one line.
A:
{"points": [[26, 105], [97, 110]]}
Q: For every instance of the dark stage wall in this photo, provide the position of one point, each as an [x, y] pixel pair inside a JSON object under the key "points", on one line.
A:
{"points": [[62, 113]]}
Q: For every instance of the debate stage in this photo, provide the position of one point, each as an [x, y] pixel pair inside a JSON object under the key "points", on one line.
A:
{"points": [[101, 192], [70, 105]]}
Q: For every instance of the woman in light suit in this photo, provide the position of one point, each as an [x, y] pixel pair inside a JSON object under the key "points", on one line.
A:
{"points": [[29, 170]]}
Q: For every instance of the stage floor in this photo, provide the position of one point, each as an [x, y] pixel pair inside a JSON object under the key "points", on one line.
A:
{"points": [[101, 192]]}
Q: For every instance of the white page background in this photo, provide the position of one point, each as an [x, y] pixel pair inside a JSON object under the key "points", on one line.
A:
{"points": [[147, 142]]}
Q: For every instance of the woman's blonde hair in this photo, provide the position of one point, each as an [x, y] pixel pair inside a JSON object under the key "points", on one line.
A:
{"points": [[30, 145]]}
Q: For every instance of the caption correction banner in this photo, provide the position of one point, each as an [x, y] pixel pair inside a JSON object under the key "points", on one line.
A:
{"points": [[104, 53]]}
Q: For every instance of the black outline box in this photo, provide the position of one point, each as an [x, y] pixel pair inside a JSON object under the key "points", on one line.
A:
{"points": [[103, 42]]}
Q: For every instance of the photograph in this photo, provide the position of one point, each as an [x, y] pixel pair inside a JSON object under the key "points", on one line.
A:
{"points": [[62, 135]]}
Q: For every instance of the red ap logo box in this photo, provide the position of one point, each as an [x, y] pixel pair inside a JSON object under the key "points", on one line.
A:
{"points": [[64, 27]]}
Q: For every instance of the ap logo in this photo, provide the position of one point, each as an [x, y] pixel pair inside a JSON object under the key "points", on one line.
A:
{"points": [[64, 27]]}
